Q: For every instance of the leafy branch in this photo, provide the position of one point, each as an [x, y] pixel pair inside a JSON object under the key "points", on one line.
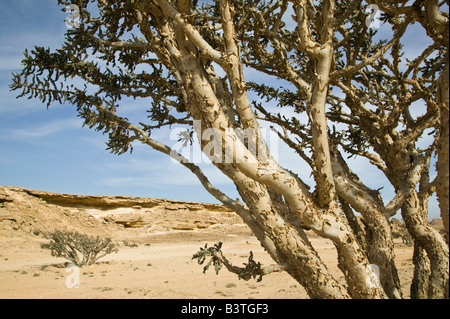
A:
{"points": [[251, 270]]}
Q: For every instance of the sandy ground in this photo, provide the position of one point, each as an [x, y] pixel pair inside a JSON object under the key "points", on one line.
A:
{"points": [[154, 260], [157, 266]]}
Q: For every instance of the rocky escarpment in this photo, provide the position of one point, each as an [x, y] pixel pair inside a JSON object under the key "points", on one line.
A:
{"points": [[112, 202], [24, 213], [33, 212], [36, 211]]}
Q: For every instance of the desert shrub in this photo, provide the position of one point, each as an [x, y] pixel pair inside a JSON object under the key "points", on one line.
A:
{"points": [[80, 249]]}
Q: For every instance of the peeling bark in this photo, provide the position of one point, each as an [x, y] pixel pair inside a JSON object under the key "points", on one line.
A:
{"points": [[435, 246], [420, 282], [442, 164], [278, 205]]}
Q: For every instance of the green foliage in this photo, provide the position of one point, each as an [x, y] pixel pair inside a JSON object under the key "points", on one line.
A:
{"points": [[80, 249], [133, 49], [107, 73], [251, 270], [206, 252], [119, 54]]}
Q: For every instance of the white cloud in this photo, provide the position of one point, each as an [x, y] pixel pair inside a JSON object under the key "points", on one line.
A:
{"points": [[10, 62], [13, 47], [126, 181], [158, 179], [144, 170], [43, 130]]}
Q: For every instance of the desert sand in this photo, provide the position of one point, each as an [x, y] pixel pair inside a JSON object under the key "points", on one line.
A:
{"points": [[156, 240]]}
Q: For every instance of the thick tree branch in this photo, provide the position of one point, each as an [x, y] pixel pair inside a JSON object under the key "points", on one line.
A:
{"points": [[307, 42], [191, 32], [405, 190]]}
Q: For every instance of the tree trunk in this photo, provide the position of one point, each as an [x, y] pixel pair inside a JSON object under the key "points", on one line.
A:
{"points": [[442, 166], [323, 172], [379, 241], [420, 282], [291, 243], [435, 246]]}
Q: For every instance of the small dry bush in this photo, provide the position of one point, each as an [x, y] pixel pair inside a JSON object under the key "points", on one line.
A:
{"points": [[80, 249]]}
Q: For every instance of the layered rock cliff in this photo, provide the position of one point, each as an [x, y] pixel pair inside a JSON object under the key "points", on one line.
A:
{"points": [[35, 211]]}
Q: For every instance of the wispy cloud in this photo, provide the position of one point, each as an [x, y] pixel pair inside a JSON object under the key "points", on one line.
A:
{"points": [[165, 180], [43, 130], [144, 170], [10, 62]]}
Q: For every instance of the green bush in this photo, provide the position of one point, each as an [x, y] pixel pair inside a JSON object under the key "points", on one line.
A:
{"points": [[80, 249]]}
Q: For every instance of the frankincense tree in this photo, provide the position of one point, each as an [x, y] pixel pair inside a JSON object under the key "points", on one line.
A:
{"points": [[81, 249], [320, 59]]}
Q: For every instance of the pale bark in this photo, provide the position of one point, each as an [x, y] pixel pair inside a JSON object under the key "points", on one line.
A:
{"points": [[420, 282], [205, 106], [290, 244], [403, 166], [442, 164], [278, 205], [325, 188], [435, 246], [306, 266], [421, 278], [380, 247], [414, 213]]}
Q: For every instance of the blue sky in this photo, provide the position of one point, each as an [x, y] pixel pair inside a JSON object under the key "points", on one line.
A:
{"points": [[49, 150]]}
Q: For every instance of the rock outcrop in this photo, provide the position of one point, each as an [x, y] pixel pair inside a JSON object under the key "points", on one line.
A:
{"points": [[35, 211], [20, 211], [111, 202]]}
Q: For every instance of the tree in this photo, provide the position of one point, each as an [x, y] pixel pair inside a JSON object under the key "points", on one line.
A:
{"points": [[327, 65], [385, 135], [81, 249]]}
